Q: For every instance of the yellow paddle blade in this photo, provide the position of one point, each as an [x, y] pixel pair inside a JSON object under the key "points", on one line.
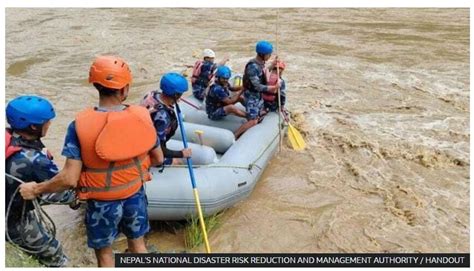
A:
{"points": [[295, 138]]}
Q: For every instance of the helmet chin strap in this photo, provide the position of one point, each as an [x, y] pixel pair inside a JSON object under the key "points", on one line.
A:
{"points": [[176, 97], [39, 131], [123, 96]]}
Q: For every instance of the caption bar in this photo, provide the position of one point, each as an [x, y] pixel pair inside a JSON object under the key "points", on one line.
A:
{"points": [[293, 260]]}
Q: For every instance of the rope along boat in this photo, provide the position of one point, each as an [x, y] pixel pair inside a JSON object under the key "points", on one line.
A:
{"points": [[226, 169]]}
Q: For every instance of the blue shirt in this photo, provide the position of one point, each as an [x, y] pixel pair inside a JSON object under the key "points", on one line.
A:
{"points": [[72, 147]]}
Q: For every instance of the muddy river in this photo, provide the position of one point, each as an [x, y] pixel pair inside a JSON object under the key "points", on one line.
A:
{"points": [[381, 95]]}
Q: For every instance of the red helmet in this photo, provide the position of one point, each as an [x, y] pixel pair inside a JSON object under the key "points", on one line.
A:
{"points": [[110, 72], [280, 64]]}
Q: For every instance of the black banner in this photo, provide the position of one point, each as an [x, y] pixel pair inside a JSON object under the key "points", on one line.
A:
{"points": [[293, 260]]}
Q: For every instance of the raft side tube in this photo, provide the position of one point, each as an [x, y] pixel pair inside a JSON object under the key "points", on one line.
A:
{"points": [[217, 138], [220, 185], [190, 114], [202, 155]]}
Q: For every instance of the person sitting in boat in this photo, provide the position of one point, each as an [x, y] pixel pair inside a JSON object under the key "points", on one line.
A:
{"points": [[255, 84], [161, 107], [27, 159], [270, 100], [219, 102], [203, 72]]}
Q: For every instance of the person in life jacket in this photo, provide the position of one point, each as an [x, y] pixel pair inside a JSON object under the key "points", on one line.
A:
{"points": [[203, 73], [161, 108], [255, 84], [109, 149], [271, 100], [26, 158], [219, 102]]}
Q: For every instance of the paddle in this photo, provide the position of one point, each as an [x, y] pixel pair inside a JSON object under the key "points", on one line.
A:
{"points": [[294, 136], [190, 103], [193, 182], [278, 91], [296, 139]]}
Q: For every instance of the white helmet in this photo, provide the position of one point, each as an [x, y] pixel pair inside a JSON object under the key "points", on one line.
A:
{"points": [[208, 53]]}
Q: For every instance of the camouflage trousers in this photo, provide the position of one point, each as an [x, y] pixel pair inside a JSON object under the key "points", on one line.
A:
{"points": [[199, 91], [253, 105], [31, 235]]}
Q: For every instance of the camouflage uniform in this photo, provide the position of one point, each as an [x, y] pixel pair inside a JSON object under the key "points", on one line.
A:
{"points": [[106, 219], [166, 124], [214, 106], [202, 81], [32, 163], [254, 72]]}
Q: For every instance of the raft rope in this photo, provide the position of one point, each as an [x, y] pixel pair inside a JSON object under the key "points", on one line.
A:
{"points": [[50, 227], [44, 220]]}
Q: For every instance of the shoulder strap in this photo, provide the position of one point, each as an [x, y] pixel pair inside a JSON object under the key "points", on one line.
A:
{"points": [[149, 101], [9, 148], [197, 68]]}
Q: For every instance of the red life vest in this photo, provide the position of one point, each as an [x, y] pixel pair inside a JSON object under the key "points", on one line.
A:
{"points": [[196, 71], [13, 145], [153, 105], [9, 148], [272, 81], [150, 102]]}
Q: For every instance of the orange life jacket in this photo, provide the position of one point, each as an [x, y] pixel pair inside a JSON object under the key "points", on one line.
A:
{"points": [[114, 152], [272, 81]]}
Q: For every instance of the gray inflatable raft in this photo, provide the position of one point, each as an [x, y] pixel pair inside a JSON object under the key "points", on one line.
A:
{"points": [[223, 180]]}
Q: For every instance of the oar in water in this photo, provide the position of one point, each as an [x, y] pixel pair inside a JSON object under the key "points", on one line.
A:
{"points": [[294, 137], [193, 182]]}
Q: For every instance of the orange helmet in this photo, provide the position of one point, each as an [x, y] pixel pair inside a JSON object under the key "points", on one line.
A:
{"points": [[110, 72]]}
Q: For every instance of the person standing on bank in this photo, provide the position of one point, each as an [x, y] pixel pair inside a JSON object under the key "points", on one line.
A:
{"points": [[27, 159], [108, 150]]}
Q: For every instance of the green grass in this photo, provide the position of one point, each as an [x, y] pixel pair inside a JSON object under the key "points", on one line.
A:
{"points": [[193, 236], [14, 257]]}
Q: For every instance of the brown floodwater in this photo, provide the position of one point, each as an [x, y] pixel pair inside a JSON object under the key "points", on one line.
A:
{"points": [[381, 95]]}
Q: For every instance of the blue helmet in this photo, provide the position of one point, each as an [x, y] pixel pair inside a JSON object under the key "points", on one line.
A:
{"points": [[173, 83], [223, 72], [264, 47], [24, 111]]}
